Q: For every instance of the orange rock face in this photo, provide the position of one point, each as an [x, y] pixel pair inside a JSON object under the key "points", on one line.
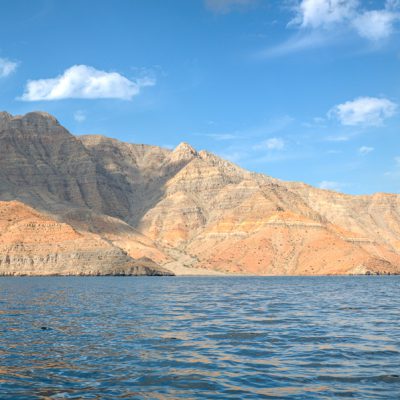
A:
{"points": [[190, 212], [32, 243]]}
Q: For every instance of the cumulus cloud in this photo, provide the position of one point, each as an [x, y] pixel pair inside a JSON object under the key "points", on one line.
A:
{"points": [[325, 22], [330, 14], [226, 6], [324, 13], [365, 111], [364, 150], [7, 67], [85, 82], [375, 25]]}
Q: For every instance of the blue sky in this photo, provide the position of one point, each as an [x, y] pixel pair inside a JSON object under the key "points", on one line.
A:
{"points": [[305, 90]]}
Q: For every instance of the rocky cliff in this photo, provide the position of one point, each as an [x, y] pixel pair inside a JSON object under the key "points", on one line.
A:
{"points": [[187, 211], [32, 243]]}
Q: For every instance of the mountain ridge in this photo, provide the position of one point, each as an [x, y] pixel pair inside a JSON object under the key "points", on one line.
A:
{"points": [[191, 211]]}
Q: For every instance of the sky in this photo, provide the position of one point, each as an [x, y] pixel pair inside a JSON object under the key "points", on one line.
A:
{"points": [[301, 90]]}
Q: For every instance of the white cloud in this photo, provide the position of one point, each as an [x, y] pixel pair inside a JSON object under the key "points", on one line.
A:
{"points": [[364, 150], [330, 185], [84, 82], [324, 13], [328, 22], [271, 144], [297, 43], [79, 116], [375, 25], [341, 14], [226, 6], [367, 111], [7, 67]]}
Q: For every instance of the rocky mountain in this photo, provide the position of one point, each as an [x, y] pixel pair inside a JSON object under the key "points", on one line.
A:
{"points": [[116, 205]]}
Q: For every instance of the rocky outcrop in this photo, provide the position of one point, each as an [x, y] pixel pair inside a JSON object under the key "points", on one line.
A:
{"points": [[45, 166], [191, 212], [32, 243]]}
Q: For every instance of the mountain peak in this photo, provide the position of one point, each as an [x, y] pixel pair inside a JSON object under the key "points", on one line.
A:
{"points": [[30, 116], [5, 115], [183, 152], [42, 114], [37, 121], [38, 117], [184, 147]]}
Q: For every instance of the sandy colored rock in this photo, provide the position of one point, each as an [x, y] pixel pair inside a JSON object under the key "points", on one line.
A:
{"points": [[189, 211], [32, 243]]}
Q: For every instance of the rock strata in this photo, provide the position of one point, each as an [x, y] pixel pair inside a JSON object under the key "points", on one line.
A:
{"points": [[32, 243], [101, 206]]}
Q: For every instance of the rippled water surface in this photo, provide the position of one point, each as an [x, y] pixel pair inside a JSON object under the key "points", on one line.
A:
{"points": [[200, 338]]}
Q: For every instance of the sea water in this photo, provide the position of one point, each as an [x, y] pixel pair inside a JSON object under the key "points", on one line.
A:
{"points": [[200, 338]]}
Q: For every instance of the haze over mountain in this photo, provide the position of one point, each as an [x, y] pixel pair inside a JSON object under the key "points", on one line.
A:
{"points": [[94, 205]]}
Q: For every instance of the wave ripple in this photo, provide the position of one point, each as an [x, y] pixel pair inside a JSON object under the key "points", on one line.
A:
{"points": [[200, 338]]}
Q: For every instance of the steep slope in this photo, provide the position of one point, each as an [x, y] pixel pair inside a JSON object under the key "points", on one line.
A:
{"points": [[45, 166], [218, 216], [32, 243], [138, 170], [190, 211]]}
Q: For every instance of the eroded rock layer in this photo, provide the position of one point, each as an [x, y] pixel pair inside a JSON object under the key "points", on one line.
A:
{"points": [[32, 243], [190, 212]]}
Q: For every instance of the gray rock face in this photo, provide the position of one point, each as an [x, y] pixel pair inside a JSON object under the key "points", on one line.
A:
{"points": [[45, 166], [139, 171]]}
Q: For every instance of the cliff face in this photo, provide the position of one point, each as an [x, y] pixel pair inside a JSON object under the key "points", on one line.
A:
{"points": [[44, 165], [188, 211], [32, 243]]}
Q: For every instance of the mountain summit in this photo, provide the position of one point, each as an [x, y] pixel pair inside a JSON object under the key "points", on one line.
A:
{"points": [[94, 205]]}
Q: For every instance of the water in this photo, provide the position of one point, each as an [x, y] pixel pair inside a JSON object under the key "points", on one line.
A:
{"points": [[200, 338]]}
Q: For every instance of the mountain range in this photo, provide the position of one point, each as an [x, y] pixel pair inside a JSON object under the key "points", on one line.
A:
{"points": [[92, 205]]}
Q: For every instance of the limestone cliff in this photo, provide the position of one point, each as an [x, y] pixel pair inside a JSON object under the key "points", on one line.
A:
{"points": [[189, 211]]}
